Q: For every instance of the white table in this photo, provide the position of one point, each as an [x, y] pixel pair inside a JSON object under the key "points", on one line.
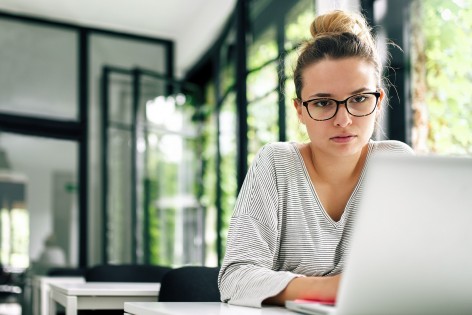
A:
{"points": [[100, 295], [41, 291], [207, 308]]}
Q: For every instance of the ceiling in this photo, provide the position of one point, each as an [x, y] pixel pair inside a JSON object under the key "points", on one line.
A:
{"points": [[193, 25]]}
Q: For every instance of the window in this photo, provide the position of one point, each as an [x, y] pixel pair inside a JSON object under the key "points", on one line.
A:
{"points": [[171, 166], [39, 64], [50, 92], [41, 193], [298, 20], [272, 33], [271, 60], [262, 84], [442, 76], [228, 171]]}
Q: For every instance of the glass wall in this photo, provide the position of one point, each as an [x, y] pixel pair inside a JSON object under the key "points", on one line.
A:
{"points": [[50, 88], [209, 136], [277, 29], [119, 169], [153, 181], [40, 136], [227, 161], [169, 150], [273, 32], [262, 85], [220, 145], [122, 56], [298, 18]]}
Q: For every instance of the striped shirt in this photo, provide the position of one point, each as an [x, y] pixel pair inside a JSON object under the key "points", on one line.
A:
{"points": [[279, 229]]}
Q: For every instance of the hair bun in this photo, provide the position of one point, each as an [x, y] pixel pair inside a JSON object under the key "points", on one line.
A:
{"points": [[338, 22]]}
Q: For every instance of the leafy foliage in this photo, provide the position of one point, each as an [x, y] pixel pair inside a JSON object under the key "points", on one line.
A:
{"points": [[447, 26]]}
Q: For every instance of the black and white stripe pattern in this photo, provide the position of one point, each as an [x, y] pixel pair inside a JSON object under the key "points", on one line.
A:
{"points": [[279, 230]]}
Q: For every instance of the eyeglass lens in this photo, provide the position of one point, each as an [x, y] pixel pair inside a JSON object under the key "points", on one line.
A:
{"points": [[357, 105]]}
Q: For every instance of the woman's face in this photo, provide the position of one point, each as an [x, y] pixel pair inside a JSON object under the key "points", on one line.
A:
{"points": [[343, 135]]}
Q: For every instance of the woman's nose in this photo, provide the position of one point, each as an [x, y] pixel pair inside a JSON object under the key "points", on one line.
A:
{"points": [[342, 117]]}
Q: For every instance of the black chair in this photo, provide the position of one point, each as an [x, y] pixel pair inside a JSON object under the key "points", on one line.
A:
{"points": [[66, 272], [11, 285], [126, 273], [190, 284]]}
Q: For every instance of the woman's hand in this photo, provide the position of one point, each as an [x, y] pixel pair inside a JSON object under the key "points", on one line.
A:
{"points": [[315, 288]]}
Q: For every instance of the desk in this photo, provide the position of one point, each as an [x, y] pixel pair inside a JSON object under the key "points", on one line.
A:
{"points": [[100, 295], [207, 308], [41, 290]]}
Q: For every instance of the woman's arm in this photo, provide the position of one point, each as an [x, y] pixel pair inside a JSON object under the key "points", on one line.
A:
{"points": [[248, 273], [317, 288]]}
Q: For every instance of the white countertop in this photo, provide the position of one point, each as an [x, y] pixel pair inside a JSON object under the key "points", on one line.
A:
{"points": [[207, 308], [107, 288]]}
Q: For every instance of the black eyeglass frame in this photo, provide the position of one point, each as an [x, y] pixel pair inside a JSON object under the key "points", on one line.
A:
{"points": [[376, 94]]}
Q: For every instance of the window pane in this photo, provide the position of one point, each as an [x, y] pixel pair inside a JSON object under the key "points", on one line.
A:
{"points": [[209, 155], [262, 82], [171, 165], [298, 19], [262, 123], [125, 54], [119, 229], [14, 239], [263, 50], [227, 140], [227, 65], [41, 194], [39, 64], [442, 77], [120, 109]]}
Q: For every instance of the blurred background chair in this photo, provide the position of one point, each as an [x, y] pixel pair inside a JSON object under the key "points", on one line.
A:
{"points": [[126, 273], [190, 284], [66, 272], [11, 284]]}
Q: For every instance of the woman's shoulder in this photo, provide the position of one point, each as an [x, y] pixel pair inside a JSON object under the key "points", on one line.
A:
{"points": [[278, 149], [277, 156], [391, 146]]}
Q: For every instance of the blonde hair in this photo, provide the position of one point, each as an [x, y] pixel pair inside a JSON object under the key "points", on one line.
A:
{"points": [[337, 34]]}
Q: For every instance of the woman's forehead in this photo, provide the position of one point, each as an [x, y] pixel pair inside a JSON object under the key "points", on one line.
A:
{"points": [[339, 76]]}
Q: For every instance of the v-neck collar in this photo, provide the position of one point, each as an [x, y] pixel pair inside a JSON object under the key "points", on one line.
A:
{"points": [[323, 211]]}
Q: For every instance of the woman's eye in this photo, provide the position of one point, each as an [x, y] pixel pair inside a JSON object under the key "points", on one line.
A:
{"points": [[321, 103], [359, 99]]}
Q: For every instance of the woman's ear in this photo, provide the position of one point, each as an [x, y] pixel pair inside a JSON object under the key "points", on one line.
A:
{"points": [[297, 103], [380, 102]]}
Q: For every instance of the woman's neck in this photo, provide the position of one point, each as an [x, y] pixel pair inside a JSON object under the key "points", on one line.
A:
{"points": [[334, 170]]}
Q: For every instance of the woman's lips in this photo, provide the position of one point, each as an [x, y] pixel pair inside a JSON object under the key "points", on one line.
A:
{"points": [[343, 138]]}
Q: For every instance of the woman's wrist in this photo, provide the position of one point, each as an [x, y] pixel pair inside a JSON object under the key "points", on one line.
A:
{"points": [[315, 288]]}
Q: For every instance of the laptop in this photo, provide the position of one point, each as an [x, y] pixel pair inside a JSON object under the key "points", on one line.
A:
{"points": [[411, 250]]}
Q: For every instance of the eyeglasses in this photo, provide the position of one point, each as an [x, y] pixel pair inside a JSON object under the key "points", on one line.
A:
{"points": [[358, 105]]}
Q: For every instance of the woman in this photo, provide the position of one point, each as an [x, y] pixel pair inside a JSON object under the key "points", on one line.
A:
{"points": [[293, 219]]}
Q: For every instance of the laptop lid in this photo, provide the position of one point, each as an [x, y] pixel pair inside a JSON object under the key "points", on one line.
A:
{"points": [[411, 250]]}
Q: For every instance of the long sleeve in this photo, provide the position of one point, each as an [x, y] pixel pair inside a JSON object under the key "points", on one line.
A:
{"points": [[247, 275]]}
